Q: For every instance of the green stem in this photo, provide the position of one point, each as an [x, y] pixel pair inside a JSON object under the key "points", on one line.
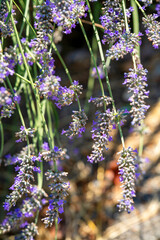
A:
{"points": [[125, 16], [140, 7], [91, 79], [24, 16], [50, 123], [18, 75], [135, 22], [18, 107], [104, 68], [19, 112], [136, 30], [92, 55]]}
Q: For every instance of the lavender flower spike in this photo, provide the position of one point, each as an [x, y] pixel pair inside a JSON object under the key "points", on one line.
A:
{"points": [[126, 167], [136, 83]]}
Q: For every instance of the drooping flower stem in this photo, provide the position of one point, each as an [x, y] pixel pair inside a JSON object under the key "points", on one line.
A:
{"points": [[136, 30], [104, 67]]}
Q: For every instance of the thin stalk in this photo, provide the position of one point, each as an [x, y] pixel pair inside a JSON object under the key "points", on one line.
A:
{"points": [[125, 16], [66, 70], [104, 68], [135, 21], [24, 16], [96, 24], [140, 7], [18, 107], [19, 111], [23, 78], [91, 79], [92, 55], [136, 30], [50, 123]]}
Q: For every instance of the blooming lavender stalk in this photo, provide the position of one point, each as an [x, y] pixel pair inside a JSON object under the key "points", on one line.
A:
{"points": [[28, 232], [100, 130], [16, 219], [24, 133], [58, 190], [7, 102], [152, 29], [77, 126], [66, 13], [5, 23], [126, 44], [54, 154], [8, 60], [126, 167], [135, 80], [23, 180], [112, 20]]}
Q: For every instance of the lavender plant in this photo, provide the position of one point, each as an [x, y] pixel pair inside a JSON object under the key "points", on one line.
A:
{"points": [[28, 69]]}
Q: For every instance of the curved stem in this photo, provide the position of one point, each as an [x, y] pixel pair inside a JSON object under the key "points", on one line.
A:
{"points": [[104, 68], [140, 7]]}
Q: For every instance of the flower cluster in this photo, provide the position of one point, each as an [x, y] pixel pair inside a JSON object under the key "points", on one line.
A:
{"points": [[101, 101], [5, 23], [112, 21], [44, 19], [58, 190], [50, 88], [24, 133], [55, 154], [100, 135], [28, 232], [152, 29], [124, 45], [16, 219], [23, 180], [77, 126], [66, 13], [135, 80], [47, 83], [8, 60], [126, 167], [100, 130], [7, 102]]}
